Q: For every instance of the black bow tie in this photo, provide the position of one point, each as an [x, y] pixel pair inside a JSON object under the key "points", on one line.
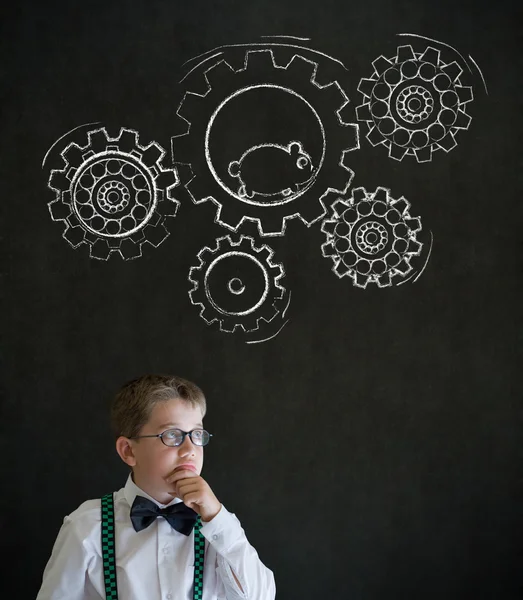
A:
{"points": [[180, 516]]}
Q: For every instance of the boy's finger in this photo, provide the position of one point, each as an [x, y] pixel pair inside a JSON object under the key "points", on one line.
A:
{"points": [[181, 474]]}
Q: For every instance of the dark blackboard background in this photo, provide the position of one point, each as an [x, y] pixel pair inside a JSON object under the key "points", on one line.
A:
{"points": [[418, 493]]}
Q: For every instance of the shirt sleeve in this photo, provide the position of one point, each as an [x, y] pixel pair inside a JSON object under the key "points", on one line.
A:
{"points": [[65, 574], [236, 555]]}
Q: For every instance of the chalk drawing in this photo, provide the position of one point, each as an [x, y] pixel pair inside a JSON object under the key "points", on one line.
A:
{"points": [[238, 286], [272, 180], [371, 238], [113, 194], [414, 103]]}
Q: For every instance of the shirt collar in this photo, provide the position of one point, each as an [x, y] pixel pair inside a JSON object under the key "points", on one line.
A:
{"points": [[131, 490]]}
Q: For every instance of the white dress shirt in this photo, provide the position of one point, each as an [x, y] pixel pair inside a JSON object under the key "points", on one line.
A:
{"points": [[156, 563]]}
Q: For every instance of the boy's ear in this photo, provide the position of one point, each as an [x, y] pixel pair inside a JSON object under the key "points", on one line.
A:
{"points": [[125, 451]]}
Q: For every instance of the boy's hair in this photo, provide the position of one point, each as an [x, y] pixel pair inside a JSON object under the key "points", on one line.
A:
{"points": [[133, 403]]}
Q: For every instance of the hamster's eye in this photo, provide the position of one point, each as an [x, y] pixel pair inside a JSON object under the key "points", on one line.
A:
{"points": [[302, 162]]}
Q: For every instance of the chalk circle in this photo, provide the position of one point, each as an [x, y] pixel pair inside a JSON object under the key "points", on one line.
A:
{"points": [[236, 286], [264, 114], [236, 283]]}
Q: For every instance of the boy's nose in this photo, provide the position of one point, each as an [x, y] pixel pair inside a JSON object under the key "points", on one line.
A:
{"points": [[186, 446]]}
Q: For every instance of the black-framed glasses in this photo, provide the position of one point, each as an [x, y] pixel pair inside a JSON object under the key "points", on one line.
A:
{"points": [[176, 437]]}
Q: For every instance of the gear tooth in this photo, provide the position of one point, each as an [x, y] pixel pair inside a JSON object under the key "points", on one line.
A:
{"points": [[260, 60], [267, 313], [227, 217], [448, 142], [359, 194], [328, 250], [347, 114], [340, 179], [334, 98], [167, 179], [397, 152], [152, 155], [209, 317], [340, 270], [301, 68], [363, 112], [169, 207], [312, 212], [184, 174], [405, 53], [127, 140], [330, 197], [431, 55], [192, 278], [423, 154], [453, 70], [245, 243], [205, 254], [274, 224], [381, 64], [227, 327], [153, 220], [265, 253], [414, 248], [353, 132], [361, 280], [73, 155], [366, 86], [339, 207], [464, 94], [403, 267], [74, 235], [189, 108], [414, 224], [130, 250], [278, 277], [374, 136], [463, 120], [384, 280], [198, 190], [156, 234], [58, 181], [59, 211], [98, 140], [218, 73], [328, 227], [100, 250], [401, 205], [381, 195]]}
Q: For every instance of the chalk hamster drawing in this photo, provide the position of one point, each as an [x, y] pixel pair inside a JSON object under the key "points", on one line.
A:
{"points": [[225, 142], [252, 168]]}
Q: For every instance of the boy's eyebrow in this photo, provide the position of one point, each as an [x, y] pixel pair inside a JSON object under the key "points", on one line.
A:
{"points": [[176, 425]]}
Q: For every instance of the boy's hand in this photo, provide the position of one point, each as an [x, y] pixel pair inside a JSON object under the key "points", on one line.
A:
{"points": [[195, 493]]}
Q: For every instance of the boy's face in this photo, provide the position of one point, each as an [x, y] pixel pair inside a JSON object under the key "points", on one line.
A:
{"points": [[152, 460]]}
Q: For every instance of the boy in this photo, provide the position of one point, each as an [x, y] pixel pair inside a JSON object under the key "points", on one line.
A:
{"points": [[158, 425]]}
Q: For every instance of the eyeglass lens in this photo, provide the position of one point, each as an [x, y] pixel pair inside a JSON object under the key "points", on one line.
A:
{"points": [[175, 437]]}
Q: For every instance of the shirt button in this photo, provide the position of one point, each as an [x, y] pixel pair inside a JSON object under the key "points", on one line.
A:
{"points": [[214, 537], [166, 550], [169, 596]]}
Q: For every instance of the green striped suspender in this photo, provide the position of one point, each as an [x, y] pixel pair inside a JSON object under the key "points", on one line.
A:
{"points": [[108, 552]]}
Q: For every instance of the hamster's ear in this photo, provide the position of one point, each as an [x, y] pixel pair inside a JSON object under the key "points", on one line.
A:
{"points": [[295, 148], [234, 168]]}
